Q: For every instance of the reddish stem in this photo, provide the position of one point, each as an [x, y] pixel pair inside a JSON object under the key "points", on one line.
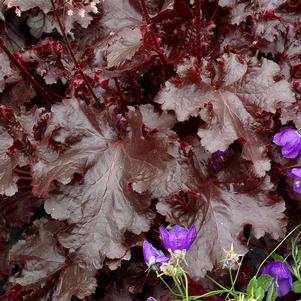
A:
{"points": [[122, 102], [23, 178], [22, 172], [214, 14], [69, 48], [24, 186], [197, 13], [151, 31], [145, 12], [26, 74]]}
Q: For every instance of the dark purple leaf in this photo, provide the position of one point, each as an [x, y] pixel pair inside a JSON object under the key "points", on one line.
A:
{"points": [[229, 111], [46, 272], [218, 207]]}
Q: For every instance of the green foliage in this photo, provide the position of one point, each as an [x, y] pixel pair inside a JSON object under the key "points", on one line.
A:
{"points": [[297, 287], [272, 293], [258, 286]]}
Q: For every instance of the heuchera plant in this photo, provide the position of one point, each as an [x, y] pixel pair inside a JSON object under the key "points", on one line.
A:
{"points": [[120, 116]]}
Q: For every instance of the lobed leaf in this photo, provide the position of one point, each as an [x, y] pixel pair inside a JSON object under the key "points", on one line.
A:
{"points": [[219, 211]]}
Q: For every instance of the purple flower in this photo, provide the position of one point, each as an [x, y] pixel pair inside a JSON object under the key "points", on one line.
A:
{"points": [[290, 141], [178, 238], [219, 159], [152, 255], [282, 276], [151, 299], [295, 173]]}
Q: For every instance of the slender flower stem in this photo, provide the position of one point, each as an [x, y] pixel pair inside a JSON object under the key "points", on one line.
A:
{"points": [[221, 286], [180, 279], [169, 288], [296, 268], [24, 186], [224, 289], [24, 178], [152, 34], [209, 294], [186, 286], [216, 283], [231, 278], [232, 284], [145, 12], [122, 102], [292, 166], [23, 172], [197, 12], [276, 248], [236, 276], [69, 48], [176, 281], [26, 74]]}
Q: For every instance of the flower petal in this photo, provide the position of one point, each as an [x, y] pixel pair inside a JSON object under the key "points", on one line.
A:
{"points": [[297, 185], [286, 136], [282, 275], [178, 238], [164, 236], [284, 287], [295, 172], [290, 141]]}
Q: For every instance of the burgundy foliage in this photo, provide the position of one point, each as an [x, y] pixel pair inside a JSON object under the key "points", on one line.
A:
{"points": [[117, 116]]}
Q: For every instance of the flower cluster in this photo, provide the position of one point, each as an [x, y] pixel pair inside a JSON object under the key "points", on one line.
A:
{"points": [[290, 142], [74, 7], [71, 6], [177, 241]]}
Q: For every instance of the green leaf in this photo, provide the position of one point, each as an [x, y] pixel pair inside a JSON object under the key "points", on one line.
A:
{"points": [[272, 294], [264, 281], [259, 293], [252, 286], [277, 257], [297, 287]]}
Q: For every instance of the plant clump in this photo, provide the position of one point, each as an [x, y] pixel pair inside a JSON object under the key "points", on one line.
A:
{"points": [[117, 117]]}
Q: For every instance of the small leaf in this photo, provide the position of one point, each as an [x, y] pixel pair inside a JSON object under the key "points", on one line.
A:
{"points": [[259, 293], [252, 286], [125, 47], [8, 179], [272, 294], [7, 74], [297, 287], [39, 24], [277, 257], [119, 14], [264, 281]]}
